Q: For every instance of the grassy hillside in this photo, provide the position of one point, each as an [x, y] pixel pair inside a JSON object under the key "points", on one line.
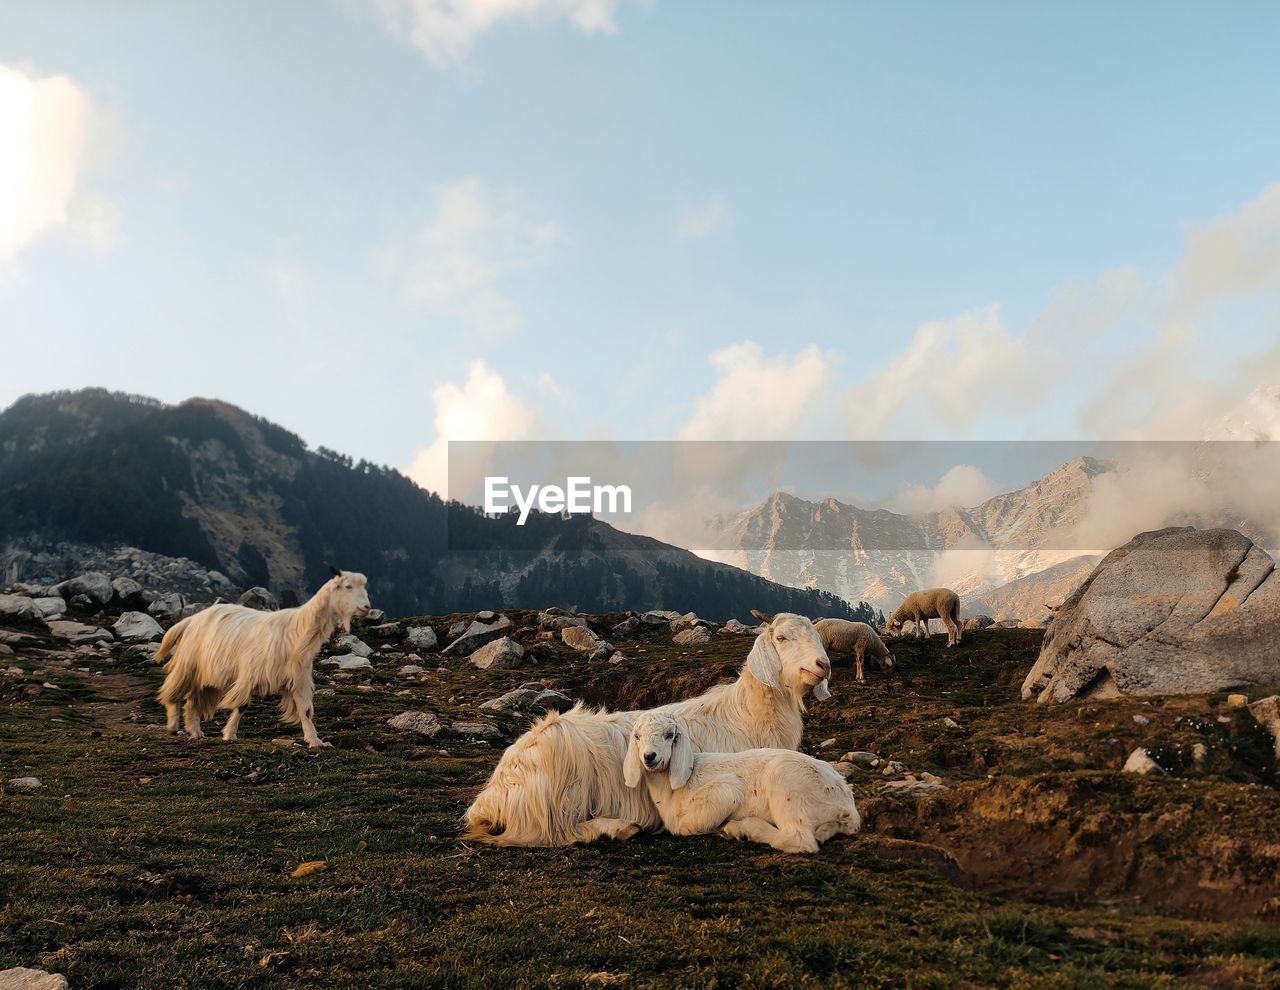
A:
{"points": [[146, 861]]}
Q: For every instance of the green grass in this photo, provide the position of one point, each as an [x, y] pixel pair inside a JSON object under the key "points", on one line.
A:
{"points": [[146, 861]]}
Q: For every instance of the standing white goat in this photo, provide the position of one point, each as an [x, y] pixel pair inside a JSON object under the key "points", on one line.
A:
{"points": [[778, 797], [226, 654], [562, 781]]}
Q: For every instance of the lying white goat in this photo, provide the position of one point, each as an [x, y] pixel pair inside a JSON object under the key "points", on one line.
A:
{"points": [[778, 797], [562, 781], [226, 654]]}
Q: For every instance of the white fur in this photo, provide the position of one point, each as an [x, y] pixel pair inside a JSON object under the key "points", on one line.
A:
{"points": [[562, 781], [921, 606], [776, 796], [226, 654], [857, 638]]}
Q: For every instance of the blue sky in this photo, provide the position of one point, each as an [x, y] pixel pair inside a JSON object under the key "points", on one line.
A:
{"points": [[379, 222]]}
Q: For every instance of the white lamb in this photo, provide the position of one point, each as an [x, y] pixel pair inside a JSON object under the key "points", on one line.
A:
{"points": [[226, 654], [779, 797], [562, 781]]}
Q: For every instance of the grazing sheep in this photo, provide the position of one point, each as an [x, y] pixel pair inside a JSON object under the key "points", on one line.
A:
{"points": [[778, 797], [226, 654], [562, 781], [858, 638], [921, 606]]}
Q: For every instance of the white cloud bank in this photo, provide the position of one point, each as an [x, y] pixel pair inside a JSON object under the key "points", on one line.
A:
{"points": [[445, 31], [696, 222], [482, 408], [478, 234], [48, 127]]}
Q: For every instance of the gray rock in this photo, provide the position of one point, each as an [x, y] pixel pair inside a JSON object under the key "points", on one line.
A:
{"points": [[50, 608], [423, 723], [25, 783], [353, 644], [478, 730], [501, 654], [477, 635], [979, 622], [1008, 624], [658, 616], [259, 598], [1140, 761], [409, 669], [912, 786], [78, 632], [1175, 611], [349, 661], [389, 630], [125, 588], [421, 638], [167, 607], [94, 585], [375, 617], [21, 978], [137, 627], [457, 629], [601, 653], [580, 638], [529, 697], [695, 636], [555, 622], [485, 616], [686, 621], [739, 628], [191, 608], [626, 627], [19, 608]]}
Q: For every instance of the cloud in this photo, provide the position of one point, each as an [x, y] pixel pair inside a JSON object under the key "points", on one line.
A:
{"points": [[696, 222], [478, 236], [963, 486], [446, 30], [949, 373], [756, 397], [1236, 254], [481, 409], [48, 128]]}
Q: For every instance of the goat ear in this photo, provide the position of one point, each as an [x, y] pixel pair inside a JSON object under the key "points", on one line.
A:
{"points": [[763, 662], [681, 765], [632, 766], [820, 691], [763, 617], [333, 570]]}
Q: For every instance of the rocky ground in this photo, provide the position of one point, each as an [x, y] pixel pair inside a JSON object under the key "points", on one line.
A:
{"points": [[1004, 844]]}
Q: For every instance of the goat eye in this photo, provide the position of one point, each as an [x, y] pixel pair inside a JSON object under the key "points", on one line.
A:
{"points": [[670, 735], [781, 639]]}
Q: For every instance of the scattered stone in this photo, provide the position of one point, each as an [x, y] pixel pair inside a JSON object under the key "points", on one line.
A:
{"points": [[25, 783], [1141, 720], [737, 628], [18, 607], [349, 661], [389, 630], [557, 622], [662, 616], [1237, 701], [423, 723], [1140, 761], [259, 598], [827, 743], [862, 759], [950, 723], [137, 627], [478, 730], [687, 621], [893, 769], [50, 608], [1199, 752], [422, 637], [457, 629], [375, 617], [912, 786], [6, 650], [626, 627], [94, 585], [353, 644], [21, 978], [409, 669], [125, 588], [501, 654], [78, 632], [601, 653], [1175, 611], [167, 607], [580, 638], [695, 636], [979, 622], [534, 696], [477, 635]]}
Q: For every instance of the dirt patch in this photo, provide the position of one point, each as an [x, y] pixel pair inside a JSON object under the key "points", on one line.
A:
{"points": [[1102, 839]]}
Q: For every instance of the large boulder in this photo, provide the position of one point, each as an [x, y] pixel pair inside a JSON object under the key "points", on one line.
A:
{"points": [[693, 636], [18, 608], [1175, 611], [421, 638], [259, 598], [137, 627], [126, 589], [167, 607], [94, 585], [78, 632], [477, 635], [501, 654], [580, 638], [22, 978], [51, 607]]}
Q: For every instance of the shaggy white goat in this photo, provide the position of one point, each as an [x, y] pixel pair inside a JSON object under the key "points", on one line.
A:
{"points": [[226, 654], [845, 637], [779, 797], [562, 781], [921, 606]]}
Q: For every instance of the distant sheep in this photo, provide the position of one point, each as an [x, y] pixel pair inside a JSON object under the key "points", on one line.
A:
{"points": [[856, 638], [226, 654], [562, 781], [921, 606], [778, 797]]}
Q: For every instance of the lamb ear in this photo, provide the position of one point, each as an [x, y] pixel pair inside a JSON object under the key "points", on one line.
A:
{"points": [[681, 765], [632, 765], [762, 616], [763, 662]]}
